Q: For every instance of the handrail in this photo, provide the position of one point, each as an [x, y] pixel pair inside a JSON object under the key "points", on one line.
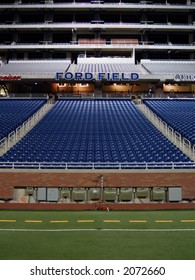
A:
{"points": [[97, 165], [85, 4], [3, 143], [77, 24], [184, 144], [14, 136]]}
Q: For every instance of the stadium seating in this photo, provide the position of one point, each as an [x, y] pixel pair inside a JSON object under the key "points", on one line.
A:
{"points": [[109, 68], [142, 192], [33, 66], [168, 67], [65, 193], [78, 194], [94, 131], [158, 194], [14, 112], [110, 194], [179, 114], [125, 194], [94, 194]]}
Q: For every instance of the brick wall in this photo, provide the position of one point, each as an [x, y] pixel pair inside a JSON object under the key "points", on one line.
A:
{"points": [[11, 179], [95, 206]]}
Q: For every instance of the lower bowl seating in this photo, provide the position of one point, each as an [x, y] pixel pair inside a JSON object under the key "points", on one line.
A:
{"points": [[94, 131]]}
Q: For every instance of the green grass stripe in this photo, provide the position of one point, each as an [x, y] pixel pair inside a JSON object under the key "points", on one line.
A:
{"points": [[98, 240]]}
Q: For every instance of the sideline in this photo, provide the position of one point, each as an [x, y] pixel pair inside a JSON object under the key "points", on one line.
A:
{"points": [[98, 229]]}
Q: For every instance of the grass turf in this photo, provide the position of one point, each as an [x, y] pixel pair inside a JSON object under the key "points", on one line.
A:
{"points": [[97, 244]]}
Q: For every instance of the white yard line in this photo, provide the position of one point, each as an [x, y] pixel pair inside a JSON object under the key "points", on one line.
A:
{"points": [[100, 229]]}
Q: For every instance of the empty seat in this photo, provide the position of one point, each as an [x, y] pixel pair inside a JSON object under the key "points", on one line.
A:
{"points": [[110, 194], [125, 194], [158, 194], [179, 114], [65, 193], [94, 194], [142, 192], [78, 194], [14, 112], [94, 131]]}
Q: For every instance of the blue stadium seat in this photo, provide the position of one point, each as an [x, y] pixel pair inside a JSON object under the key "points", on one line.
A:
{"points": [[94, 131], [179, 114], [14, 112]]}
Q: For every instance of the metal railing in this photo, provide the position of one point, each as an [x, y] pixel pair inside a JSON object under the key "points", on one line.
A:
{"points": [[175, 137], [50, 4], [122, 25], [14, 136], [97, 165]]}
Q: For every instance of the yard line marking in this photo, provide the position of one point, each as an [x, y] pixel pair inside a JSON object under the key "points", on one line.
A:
{"points": [[187, 221], [111, 221], [7, 221], [100, 229], [59, 221], [163, 221], [137, 221], [33, 221], [85, 221]]}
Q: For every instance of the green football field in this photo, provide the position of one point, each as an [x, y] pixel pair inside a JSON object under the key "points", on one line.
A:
{"points": [[96, 235]]}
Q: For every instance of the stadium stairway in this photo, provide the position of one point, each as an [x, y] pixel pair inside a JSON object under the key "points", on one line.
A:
{"points": [[23, 129], [163, 128]]}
